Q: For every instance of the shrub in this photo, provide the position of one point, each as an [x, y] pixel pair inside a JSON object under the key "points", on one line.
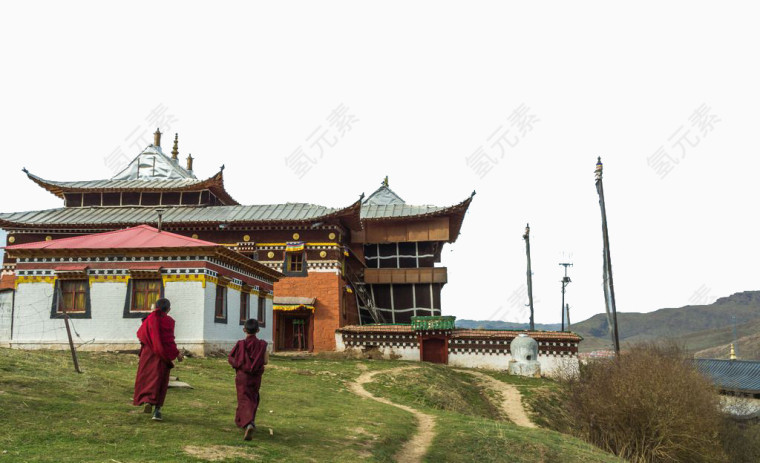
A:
{"points": [[647, 405]]}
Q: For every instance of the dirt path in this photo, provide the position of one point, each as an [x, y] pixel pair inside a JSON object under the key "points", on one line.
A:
{"points": [[417, 446], [511, 403]]}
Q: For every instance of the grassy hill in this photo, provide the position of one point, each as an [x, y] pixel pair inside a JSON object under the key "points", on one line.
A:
{"points": [[49, 413], [697, 326]]}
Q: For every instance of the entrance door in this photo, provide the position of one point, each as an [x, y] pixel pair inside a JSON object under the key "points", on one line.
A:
{"points": [[292, 331], [434, 350]]}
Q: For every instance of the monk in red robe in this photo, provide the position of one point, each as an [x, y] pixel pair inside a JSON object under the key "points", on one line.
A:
{"points": [[248, 358], [157, 351]]}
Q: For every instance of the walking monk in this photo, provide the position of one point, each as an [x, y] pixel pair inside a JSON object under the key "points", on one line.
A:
{"points": [[157, 351], [248, 358]]}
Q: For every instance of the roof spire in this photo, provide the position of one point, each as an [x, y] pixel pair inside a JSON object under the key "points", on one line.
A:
{"points": [[189, 162], [157, 137], [733, 352], [385, 181], [175, 150]]}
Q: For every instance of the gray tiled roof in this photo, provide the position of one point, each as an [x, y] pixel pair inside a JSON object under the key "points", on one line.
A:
{"points": [[377, 211], [732, 375], [138, 215], [127, 184]]}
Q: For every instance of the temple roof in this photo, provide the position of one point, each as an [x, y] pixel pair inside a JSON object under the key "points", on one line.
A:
{"points": [[214, 183], [384, 196], [174, 215], [140, 238], [732, 375], [153, 164]]}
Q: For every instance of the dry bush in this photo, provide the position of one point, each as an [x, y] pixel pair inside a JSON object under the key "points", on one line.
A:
{"points": [[647, 405]]}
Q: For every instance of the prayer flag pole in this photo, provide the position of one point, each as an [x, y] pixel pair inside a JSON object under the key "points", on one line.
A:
{"points": [[526, 237], [609, 288]]}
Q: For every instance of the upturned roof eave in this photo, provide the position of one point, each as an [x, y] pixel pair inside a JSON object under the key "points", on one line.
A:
{"points": [[214, 183], [456, 212]]}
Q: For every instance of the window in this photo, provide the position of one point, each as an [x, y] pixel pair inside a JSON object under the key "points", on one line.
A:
{"points": [[262, 314], [143, 290], [295, 262], [220, 306], [145, 293], [72, 298], [244, 300]]}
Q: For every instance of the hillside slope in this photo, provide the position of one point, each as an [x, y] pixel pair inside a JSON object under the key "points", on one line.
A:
{"points": [[308, 413], [698, 326]]}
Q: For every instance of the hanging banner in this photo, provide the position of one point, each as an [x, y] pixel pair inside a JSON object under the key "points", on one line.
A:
{"points": [[294, 246]]}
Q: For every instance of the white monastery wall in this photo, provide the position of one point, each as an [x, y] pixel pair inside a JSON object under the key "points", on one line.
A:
{"points": [[187, 299], [477, 360], [219, 335], [551, 365], [6, 308], [265, 333]]}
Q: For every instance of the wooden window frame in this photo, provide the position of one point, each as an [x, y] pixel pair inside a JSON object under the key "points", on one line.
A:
{"points": [[56, 311], [220, 303], [245, 303], [302, 271], [129, 312], [261, 310]]}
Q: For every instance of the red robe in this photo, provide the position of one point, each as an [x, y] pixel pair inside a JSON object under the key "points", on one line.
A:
{"points": [[156, 335], [247, 358]]}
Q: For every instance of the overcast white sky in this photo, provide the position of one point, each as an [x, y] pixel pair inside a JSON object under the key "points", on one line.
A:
{"points": [[427, 83]]}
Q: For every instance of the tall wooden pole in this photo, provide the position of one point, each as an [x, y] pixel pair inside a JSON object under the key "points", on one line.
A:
{"points": [[526, 237], [609, 287], [68, 331], [71, 343]]}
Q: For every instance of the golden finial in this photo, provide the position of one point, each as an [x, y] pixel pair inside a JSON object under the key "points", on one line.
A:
{"points": [[733, 352], [190, 162], [175, 150], [385, 181], [157, 137]]}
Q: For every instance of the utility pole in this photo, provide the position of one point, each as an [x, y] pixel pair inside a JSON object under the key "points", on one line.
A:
{"points": [[526, 237], [609, 288], [565, 281]]}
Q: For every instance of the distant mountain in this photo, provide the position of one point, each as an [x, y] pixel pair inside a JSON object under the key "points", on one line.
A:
{"points": [[698, 327], [501, 325]]}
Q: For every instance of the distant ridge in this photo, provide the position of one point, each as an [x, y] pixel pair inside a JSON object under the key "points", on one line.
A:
{"points": [[697, 327], [502, 325]]}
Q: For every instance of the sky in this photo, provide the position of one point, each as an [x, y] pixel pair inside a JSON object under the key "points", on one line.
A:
{"points": [[318, 101]]}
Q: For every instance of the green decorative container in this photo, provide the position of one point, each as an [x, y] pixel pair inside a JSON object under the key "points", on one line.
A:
{"points": [[442, 323]]}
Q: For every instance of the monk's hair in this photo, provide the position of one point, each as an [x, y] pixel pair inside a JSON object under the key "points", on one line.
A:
{"points": [[163, 304], [251, 326]]}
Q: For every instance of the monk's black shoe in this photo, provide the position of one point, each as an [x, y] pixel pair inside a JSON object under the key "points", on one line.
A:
{"points": [[157, 414], [249, 430], [147, 408]]}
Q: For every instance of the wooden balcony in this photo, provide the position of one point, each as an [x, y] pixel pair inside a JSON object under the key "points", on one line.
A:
{"points": [[406, 275]]}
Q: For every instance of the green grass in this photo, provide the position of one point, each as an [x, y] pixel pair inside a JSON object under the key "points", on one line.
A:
{"points": [[469, 428], [49, 413]]}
